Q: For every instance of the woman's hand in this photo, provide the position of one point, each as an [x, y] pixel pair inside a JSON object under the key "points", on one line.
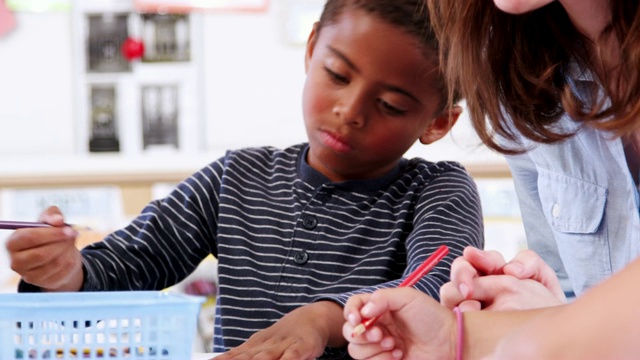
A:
{"points": [[484, 280], [411, 325]]}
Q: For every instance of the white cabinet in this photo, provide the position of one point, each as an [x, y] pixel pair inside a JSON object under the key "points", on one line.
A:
{"points": [[137, 79]]}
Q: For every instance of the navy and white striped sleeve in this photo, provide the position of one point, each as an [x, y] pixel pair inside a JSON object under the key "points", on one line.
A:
{"points": [[164, 243]]}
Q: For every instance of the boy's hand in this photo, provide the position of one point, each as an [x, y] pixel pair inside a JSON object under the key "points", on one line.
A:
{"points": [[412, 326], [47, 257], [301, 334], [484, 280]]}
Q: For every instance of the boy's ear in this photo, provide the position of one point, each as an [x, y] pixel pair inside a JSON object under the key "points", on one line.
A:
{"points": [[441, 125], [311, 44]]}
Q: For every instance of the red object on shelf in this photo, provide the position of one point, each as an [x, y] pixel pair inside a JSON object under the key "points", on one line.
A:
{"points": [[7, 19], [132, 49]]}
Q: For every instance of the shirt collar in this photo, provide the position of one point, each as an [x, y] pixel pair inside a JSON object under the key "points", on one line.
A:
{"points": [[576, 72], [316, 179]]}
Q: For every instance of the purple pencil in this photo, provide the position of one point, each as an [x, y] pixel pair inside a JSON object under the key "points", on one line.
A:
{"points": [[15, 225]]}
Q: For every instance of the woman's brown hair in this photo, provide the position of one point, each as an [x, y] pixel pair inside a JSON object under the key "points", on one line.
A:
{"points": [[511, 69]]}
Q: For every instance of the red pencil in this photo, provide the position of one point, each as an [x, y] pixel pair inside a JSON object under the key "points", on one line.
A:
{"points": [[410, 280]]}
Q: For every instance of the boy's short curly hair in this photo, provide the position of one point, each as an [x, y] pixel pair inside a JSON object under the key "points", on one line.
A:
{"points": [[410, 15]]}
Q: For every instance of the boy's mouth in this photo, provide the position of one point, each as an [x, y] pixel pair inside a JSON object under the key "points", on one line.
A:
{"points": [[335, 142]]}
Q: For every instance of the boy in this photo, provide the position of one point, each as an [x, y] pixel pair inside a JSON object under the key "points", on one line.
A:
{"points": [[298, 231]]}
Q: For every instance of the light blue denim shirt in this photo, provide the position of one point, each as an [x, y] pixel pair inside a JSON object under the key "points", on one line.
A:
{"points": [[579, 204]]}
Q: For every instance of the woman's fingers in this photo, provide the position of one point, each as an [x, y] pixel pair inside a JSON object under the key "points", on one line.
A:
{"points": [[529, 265]]}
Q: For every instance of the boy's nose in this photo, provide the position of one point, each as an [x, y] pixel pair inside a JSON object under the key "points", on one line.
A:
{"points": [[350, 112]]}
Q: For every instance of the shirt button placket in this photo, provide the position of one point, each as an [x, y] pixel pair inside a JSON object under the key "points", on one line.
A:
{"points": [[309, 222]]}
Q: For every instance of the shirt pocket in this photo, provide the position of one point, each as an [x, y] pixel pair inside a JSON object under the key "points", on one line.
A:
{"points": [[575, 210], [571, 205]]}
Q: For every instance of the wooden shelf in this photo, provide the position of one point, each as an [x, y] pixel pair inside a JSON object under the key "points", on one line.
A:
{"points": [[97, 169], [488, 170]]}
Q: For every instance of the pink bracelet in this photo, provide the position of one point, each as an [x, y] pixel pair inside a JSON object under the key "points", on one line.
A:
{"points": [[460, 344]]}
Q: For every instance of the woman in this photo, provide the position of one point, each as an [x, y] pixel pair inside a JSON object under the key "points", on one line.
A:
{"points": [[567, 93], [556, 87]]}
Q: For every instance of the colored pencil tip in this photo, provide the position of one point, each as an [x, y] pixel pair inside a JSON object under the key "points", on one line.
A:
{"points": [[358, 330]]}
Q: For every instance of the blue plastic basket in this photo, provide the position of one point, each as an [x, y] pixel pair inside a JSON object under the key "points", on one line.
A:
{"points": [[98, 325]]}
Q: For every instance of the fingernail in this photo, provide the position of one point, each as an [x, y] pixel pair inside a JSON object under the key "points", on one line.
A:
{"points": [[386, 343], [69, 231], [55, 218], [516, 268], [353, 319], [396, 354], [475, 250], [464, 290], [367, 309]]}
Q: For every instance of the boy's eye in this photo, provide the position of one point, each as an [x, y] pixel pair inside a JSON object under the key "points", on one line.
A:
{"points": [[390, 109], [335, 77]]}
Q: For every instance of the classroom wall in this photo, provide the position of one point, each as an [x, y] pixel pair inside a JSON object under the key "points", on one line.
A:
{"points": [[252, 81], [36, 112]]}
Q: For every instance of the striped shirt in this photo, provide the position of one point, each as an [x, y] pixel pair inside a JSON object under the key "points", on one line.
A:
{"points": [[285, 236]]}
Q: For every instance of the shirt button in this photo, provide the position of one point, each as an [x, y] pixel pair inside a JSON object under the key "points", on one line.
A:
{"points": [[555, 210], [301, 257], [309, 222]]}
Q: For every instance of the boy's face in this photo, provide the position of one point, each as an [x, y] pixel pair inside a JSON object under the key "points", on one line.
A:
{"points": [[367, 97]]}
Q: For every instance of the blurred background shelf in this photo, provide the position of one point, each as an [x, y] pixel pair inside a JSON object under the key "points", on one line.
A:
{"points": [[92, 169]]}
